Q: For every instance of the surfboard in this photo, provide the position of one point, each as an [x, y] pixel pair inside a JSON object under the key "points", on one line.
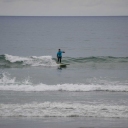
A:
{"points": [[62, 64]]}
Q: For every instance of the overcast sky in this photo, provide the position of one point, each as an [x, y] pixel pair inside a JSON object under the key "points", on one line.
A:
{"points": [[64, 7]]}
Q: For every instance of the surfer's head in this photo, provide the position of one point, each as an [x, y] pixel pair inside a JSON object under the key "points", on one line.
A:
{"points": [[58, 49]]}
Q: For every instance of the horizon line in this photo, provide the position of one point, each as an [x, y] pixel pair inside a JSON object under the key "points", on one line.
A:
{"points": [[66, 15]]}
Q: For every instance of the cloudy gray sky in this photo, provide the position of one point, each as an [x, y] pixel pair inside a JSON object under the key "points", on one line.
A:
{"points": [[64, 7]]}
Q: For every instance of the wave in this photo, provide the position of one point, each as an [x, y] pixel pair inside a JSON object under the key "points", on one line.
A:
{"points": [[63, 109], [9, 61], [98, 59], [64, 87], [11, 84]]}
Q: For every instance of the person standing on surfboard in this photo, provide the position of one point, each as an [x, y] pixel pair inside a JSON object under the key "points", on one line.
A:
{"points": [[59, 55]]}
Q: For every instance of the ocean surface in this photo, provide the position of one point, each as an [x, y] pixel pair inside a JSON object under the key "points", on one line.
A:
{"points": [[94, 85]]}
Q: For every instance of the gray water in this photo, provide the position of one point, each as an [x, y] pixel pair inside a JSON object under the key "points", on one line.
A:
{"points": [[95, 84], [78, 36]]}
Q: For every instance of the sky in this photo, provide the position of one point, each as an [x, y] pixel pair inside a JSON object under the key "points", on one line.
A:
{"points": [[63, 7]]}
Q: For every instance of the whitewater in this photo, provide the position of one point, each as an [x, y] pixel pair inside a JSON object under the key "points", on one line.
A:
{"points": [[17, 61], [7, 83], [34, 85], [38, 80], [10, 61], [61, 109], [63, 106]]}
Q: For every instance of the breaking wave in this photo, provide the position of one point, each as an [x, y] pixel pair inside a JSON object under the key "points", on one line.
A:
{"points": [[11, 84], [9, 61], [63, 109]]}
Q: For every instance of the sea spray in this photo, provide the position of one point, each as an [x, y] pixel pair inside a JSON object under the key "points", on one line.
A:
{"points": [[5, 79]]}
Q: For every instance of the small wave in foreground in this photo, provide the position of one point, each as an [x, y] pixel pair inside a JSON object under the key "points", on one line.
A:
{"points": [[11, 84], [62, 109]]}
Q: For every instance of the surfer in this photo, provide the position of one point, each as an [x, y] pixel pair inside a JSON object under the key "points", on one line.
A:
{"points": [[59, 55]]}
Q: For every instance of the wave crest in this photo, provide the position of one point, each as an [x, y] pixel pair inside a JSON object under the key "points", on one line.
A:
{"points": [[9, 61], [10, 84]]}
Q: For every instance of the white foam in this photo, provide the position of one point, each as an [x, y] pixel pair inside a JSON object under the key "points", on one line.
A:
{"points": [[33, 60], [62, 109], [63, 87], [5, 79], [11, 84], [14, 58]]}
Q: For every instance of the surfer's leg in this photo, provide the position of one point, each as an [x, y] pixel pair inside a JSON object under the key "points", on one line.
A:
{"points": [[60, 59]]}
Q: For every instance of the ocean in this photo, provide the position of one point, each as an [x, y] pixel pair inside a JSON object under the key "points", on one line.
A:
{"points": [[91, 90]]}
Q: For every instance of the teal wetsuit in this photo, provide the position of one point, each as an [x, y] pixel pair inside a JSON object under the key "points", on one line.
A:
{"points": [[59, 56]]}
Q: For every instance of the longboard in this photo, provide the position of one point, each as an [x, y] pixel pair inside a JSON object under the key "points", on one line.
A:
{"points": [[62, 64]]}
